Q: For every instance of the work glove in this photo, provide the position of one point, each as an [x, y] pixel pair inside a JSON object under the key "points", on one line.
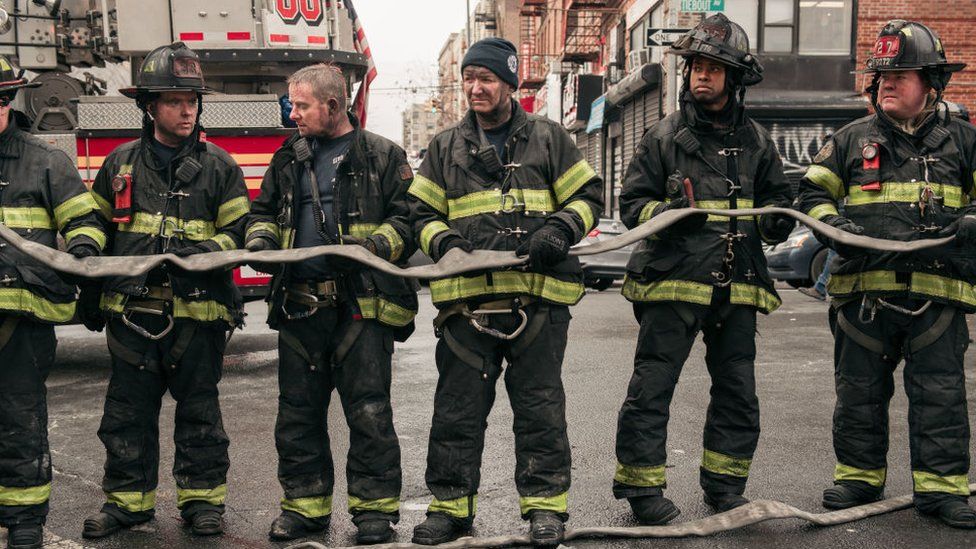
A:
{"points": [[776, 228], [686, 226], [450, 242], [370, 243], [82, 251], [187, 251], [845, 225], [87, 310], [547, 246], [965, 230], [261, 244]]}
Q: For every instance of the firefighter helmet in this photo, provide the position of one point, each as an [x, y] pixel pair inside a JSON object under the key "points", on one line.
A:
{"points": [[719, 39], [173, 67], [909, 45], [9, 80]]}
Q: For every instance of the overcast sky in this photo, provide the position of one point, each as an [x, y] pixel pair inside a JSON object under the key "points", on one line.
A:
{"points": [[405, 38]]}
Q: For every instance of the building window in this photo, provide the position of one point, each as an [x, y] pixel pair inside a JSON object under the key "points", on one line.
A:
{"points": [[805, 27], [825, 27]]}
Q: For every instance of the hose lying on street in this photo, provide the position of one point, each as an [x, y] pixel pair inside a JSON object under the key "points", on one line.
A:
{"points": [[453, 263], [751, 513]]}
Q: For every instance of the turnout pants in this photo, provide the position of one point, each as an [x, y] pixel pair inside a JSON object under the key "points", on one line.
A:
{"points": [[316, 355], [667, 332], [188, 363], [865, 356], [25, 460], [469, 363]]}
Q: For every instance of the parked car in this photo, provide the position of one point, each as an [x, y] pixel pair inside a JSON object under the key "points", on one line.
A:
{"points": [[600, 270], [799, 260]]}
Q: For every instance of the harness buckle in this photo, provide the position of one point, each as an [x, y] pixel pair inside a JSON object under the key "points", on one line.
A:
{"points": [[142, 331], [515, 203], [730, 151], [482, 315], [508, 231]]}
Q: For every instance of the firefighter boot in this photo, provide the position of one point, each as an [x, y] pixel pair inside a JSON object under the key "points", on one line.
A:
{"points": [[290, 525], [951, 510], [653, 510], [25, 536], [843, 495], [373, 529], [207, 523], [724, 501], [546, 528], [103, 524], [438, 528]]}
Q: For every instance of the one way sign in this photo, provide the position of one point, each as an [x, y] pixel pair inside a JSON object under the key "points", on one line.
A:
{"points": [[663, 37]]}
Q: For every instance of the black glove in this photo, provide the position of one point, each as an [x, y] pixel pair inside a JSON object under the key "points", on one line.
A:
{"points": [[453, 241], [776, 227], [82, 251], [260, 244], [87, 309], [547, 246], [369, 243], [685, 226], [965, 230], [845, 225], [189, 250]]}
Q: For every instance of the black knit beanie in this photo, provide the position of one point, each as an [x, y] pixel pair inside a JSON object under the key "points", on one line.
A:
{"points": [[497, 55]]}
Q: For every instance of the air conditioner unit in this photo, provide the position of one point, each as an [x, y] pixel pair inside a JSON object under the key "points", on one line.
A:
{"points": [[637, 59]]}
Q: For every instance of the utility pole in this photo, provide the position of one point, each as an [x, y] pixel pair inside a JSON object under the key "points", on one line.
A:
{"points": [[467, 20]]}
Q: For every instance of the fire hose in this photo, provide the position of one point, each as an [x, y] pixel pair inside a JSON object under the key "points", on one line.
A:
{"points": [[751, 513], [455, 262]]}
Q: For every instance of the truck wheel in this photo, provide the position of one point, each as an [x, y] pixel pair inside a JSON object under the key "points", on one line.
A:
{"points": [[817, 264]]}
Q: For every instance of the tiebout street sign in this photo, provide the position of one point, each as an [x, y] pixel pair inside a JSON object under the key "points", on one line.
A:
{"points": [[702, 5], [663, 37]]}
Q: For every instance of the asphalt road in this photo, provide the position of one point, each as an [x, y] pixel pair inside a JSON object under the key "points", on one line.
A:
{"points": [[793, 464]]}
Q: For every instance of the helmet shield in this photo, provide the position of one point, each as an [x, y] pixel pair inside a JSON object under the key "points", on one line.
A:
{"points": [[174, 67]]}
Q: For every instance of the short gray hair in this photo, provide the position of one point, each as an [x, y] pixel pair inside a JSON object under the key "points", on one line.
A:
{"points": [[326, 81]]}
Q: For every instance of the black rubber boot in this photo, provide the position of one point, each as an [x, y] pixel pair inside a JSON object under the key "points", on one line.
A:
{"points": [[101, 524], [952, 510], [207, 523], [844, 495], [724, 501], [373, 530], [546, 528], [25, 536], [438, 528], [290, 525], [653, 510]]}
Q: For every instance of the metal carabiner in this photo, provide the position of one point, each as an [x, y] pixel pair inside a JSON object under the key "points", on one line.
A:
{"points": [[142, 331], [870, 305], [473, 320], [504, 208]]}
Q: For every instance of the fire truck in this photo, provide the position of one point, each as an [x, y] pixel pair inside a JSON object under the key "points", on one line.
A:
{"points": [[247, 49]]}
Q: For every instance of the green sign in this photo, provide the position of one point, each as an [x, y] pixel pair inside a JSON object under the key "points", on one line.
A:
{"points": [[702, 5]]}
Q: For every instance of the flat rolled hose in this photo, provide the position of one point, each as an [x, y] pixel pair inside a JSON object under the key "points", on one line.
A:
{"points": [[751, 513], [453, 263]]}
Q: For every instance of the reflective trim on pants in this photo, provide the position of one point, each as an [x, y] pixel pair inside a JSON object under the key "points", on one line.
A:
{"points": [[313, 507], [213, 496], [873, 477], [640, 476], [556, 504], [462, 507], [950, 484], [382, 505], [31, 495], [133, 502]]}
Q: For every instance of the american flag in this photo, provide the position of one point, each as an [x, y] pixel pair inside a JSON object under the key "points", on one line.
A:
{"points": [[361, 104]]}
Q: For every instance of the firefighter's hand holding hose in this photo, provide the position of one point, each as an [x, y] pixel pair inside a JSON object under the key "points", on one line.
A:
{"points": [[964, 229], [846, 225], [547, 246], [261, 244]]}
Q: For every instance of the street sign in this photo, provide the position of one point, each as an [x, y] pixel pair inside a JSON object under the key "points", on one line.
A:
{"points": [[688, 6], [663, 37]]}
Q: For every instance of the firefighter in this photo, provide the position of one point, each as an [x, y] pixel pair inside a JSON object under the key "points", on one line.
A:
{"points": [[41, 196], [167, 192], [334, 182], [502, 179], [904, 173], [705, 274]]}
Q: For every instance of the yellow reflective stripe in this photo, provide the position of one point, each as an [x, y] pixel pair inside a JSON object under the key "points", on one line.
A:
{"points": [[920, 283], [646, 477], [262, 226], [431, 230], [429, 192], [506, 282], [362, 230], [483, 202], [647, 212], [572, 180], [462, 507], [822, 210], [934, 285], [931, 482], [192, 229], [104, 207], [313, 507], [741, 203], [393, 237], [826, 179], [232, 210], [31, 495], [91, 232], [747, 294], [667, 290], [556, 504], [134, 502], [382, 505], [585, 212], [384, 311], [873, 477], [112, 302], [204, 311], [213, 496], [904, 192], [287, 238], [22, 300], [26, 218], [225, 242], [868, 281], [76, 206], [723, 464]]}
